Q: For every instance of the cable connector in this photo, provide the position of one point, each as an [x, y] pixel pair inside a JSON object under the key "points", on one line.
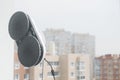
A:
{"points": [[52, 71]]}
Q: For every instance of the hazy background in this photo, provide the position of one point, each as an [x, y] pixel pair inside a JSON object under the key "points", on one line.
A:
{"points": [[97, 17]]}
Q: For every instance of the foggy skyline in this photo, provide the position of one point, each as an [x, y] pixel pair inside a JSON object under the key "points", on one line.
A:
{"points": [[97, 17]]}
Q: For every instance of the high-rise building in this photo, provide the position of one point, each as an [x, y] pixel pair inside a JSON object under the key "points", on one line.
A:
{"points": [[66, 67], [97, 69], [61, 38], [83, 43], [76, 67], [66, 42], [107, 67]]}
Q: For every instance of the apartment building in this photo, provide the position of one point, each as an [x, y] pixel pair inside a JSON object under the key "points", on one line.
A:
{"points": [[83, 43], [61, 38], [67, 42], [66, 67], [77, 67], [107, 67]]}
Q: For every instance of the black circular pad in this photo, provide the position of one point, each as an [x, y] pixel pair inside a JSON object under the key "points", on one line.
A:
{"points": [[18, 25], [29, 51]]}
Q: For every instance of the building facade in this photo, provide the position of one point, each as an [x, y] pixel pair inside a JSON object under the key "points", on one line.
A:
{"points": [[66, 42], [107, 67], [77, 67], [66, 67], [83, 43], [61, 38]]}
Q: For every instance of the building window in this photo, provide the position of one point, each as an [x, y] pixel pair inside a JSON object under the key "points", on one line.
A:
{"points": [[81, 63], [57, 74], [72, 74], [81, 66], [82, 77], [54, 63], [17, 65], [72, 64], [41, 75], [81, 72], [16, 76], [26, 76], [78, 77]]}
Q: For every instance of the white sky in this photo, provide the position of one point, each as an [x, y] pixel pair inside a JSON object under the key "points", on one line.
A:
{"points": [[97, 17], [6, 43]]}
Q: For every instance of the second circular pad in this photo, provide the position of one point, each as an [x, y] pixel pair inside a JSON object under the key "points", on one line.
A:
{"points": [[29, 51]]}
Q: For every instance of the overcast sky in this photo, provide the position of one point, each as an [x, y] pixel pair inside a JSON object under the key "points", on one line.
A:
{"points": [[100, 18]]}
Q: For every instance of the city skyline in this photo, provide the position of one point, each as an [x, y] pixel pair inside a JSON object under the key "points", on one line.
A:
{"points": [[65, 42], [96, 17]]}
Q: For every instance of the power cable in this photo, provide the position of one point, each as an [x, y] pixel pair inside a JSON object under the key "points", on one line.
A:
{"points": [[52, 70]]}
